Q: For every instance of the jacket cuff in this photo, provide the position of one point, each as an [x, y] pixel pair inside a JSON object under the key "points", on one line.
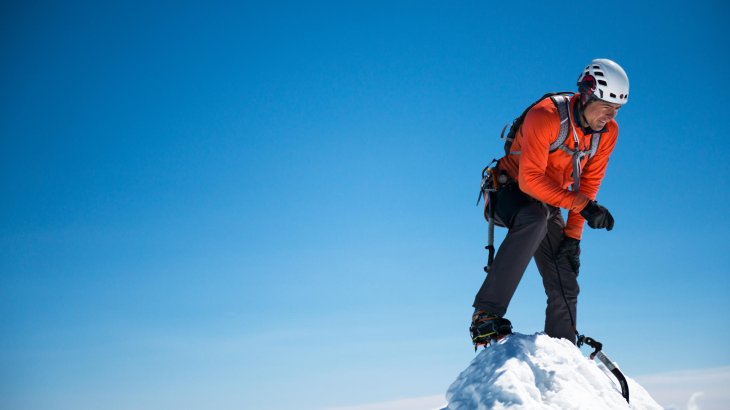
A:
{"points": [[573, 231], [579, 202]]}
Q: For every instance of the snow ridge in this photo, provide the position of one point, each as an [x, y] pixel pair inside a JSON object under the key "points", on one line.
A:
{"points": [[539, 372]]}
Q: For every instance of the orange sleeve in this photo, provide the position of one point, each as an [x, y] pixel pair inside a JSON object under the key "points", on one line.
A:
{"points": [[539, 130], [591, 177]]}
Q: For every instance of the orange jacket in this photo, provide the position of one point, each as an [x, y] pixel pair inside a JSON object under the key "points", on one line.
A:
{"points": [[547, 176]]}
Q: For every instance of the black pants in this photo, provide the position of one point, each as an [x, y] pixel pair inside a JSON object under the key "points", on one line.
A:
{"points": [[535, 229]]}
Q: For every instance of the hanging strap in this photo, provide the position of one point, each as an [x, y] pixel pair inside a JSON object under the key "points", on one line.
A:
{"points": [[566, 124]]}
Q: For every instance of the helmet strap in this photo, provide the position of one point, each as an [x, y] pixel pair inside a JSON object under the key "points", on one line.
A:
{"points": [[582, 103]]}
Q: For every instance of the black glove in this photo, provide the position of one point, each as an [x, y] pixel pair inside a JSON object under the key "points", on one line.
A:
{"points": [[597, 216], [570, 248]]}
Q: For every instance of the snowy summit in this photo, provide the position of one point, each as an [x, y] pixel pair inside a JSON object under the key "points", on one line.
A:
{"points": [[540, 372]]}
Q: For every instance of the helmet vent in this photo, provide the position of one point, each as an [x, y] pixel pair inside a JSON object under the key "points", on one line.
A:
{"points": [[599, 73], [613, 95], [602, 82]]}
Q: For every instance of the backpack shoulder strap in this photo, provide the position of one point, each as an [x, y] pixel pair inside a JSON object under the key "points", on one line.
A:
{"points": [[559, 98], [562, 103], [595, 140]]}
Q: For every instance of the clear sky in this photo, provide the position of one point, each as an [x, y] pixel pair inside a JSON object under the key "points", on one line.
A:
{"points": [[272, 205]]}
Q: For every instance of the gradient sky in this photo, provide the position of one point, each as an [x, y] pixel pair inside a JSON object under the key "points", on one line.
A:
{"points": [[230, 205]]}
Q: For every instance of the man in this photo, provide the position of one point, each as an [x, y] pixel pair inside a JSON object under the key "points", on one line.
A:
{"points": [[537, 180]]}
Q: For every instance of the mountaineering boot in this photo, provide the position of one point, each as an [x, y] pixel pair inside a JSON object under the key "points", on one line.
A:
{"points": [[487, 327]]}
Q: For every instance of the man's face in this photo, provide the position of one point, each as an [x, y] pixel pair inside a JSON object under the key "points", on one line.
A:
{"points": [[599, 113]]}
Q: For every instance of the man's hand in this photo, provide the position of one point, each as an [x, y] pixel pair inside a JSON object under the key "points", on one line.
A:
{"points": [[570, 248], [597, 216]]}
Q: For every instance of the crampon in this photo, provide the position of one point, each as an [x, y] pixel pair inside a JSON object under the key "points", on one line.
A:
{"points": [[487, 328]]}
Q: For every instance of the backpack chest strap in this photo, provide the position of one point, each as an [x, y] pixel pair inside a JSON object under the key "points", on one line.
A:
{"points": [[591, 151]]}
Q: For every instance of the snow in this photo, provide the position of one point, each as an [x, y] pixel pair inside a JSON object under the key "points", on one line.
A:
{"points": [[538, 372]]}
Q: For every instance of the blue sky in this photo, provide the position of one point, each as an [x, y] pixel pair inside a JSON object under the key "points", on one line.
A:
{"points": [[233, 205]]}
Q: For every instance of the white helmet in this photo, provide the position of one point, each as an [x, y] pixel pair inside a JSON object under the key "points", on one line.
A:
{"points": [[605, 80]]}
